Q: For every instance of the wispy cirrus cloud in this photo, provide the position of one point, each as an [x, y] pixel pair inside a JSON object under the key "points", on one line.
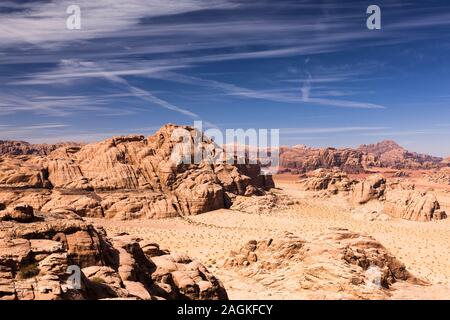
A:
{"points": [[42, 23], [300, 97], [70, 71], [160, 60]]}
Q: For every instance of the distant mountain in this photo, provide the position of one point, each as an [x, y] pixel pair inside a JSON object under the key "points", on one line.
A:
{"points": [[297, 159], [383, 154], [380, 147], [8, 147], [389, 154], [302, 159]]}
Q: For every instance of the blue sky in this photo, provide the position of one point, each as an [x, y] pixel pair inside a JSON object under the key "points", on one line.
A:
{"points": [[310, 68]]}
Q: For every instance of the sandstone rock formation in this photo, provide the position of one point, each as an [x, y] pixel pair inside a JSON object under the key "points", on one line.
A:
{"points": [[38, 256], [337, 265], [400, 174], [127, 177], [372, 188], [20, 213], [265, 204], [394, 198], [413, 205], [390, 154], [333, 181], [441, 176], [300, 159], [8, 147]]}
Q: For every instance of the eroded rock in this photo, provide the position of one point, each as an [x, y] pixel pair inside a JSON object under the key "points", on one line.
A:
{"points": [[338, 265], [35, 258], [127, 177], [413, 205], [372, 188], [333, 181]]}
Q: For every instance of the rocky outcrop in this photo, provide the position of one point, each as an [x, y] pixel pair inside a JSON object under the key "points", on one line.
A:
{"points": [[333, 181], [19, 213], [338, 265], [389, 154], [128, 177], [413, 205], [396, 199], [441, 176], [20, 172], [8, 147], [401, 174], [266, 204], [40, 259], [372, 188], [301, 159]]}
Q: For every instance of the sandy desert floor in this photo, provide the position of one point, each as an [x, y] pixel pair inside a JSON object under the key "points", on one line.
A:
{"points": [[424, 247]]}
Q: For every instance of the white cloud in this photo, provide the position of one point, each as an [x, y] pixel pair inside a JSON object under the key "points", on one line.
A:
{"points": [[44, 23]]}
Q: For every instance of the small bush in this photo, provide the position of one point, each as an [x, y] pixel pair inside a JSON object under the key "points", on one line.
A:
{"points": [[29, 271], [98, 280]]}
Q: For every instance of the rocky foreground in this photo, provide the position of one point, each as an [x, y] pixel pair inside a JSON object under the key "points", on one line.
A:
{"points": [[336, 265], [38, 255]]}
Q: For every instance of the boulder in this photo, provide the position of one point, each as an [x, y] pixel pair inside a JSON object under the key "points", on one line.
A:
{"points": [[21, 213], [266, 204], [413, 205], [339, 264], [440, 176], [333, 181], [372, 188]]}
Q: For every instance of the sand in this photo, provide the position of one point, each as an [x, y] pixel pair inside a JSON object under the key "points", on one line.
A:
{"points": [[424, 247]]}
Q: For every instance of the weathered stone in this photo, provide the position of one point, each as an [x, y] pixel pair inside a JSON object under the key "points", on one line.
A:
{"points": [[372, 188], [37, 266], [413, 205]]}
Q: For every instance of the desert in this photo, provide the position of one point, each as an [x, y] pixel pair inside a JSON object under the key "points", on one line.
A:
{"points": [[141, 226], [219, 153]]}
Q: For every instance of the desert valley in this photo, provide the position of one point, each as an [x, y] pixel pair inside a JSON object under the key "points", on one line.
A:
{"points": [[364, 223]]}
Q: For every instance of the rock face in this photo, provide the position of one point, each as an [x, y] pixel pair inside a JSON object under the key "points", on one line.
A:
{"points": [[372, 188], [19, 213], [441, 176], [37, 259], [337, 265], [8, 147], [334, 181], [300, 159], [265, 204], [390, 154], [413, 205], [127, 177], [401, 174], [396, 199]]}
